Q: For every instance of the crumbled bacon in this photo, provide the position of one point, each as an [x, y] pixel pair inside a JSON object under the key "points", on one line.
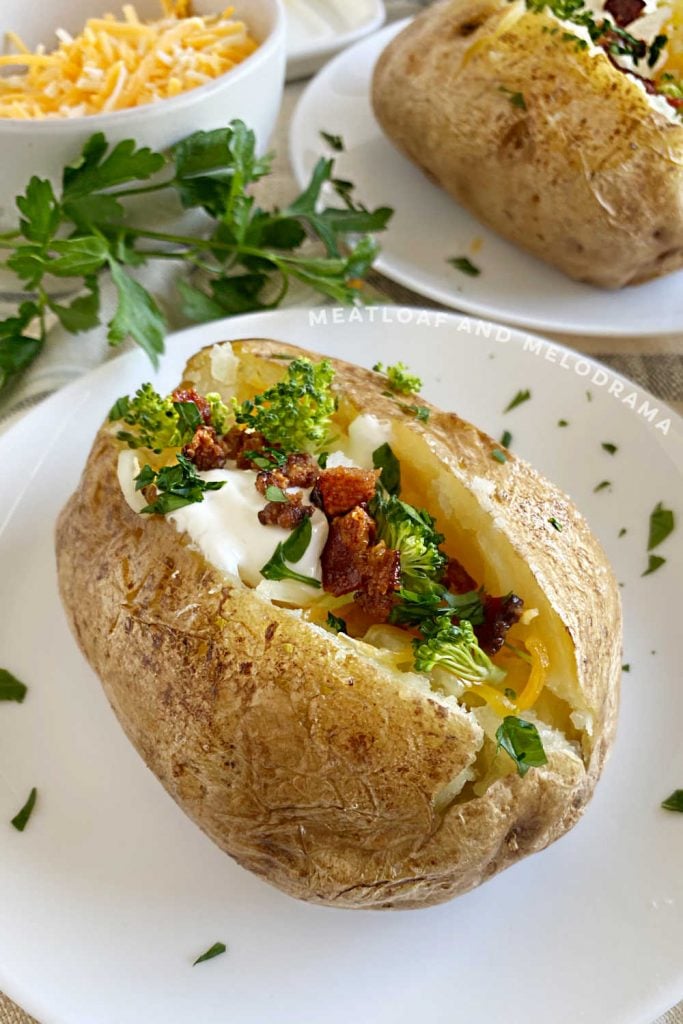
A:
{"points": [[381, 578], [183, 395], [286, 514], [500, 614], [624, 11], [302, 469], [457, 579], [206, 450], [343, 555], [345, 487], [240, 441], [271, 478]]}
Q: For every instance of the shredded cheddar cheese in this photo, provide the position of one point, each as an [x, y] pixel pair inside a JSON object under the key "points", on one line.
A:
{"points": [[539, 667], [117, 64]]}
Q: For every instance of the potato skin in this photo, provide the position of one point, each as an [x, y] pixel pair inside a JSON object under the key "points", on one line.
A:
{"points": [[305, 761], [589, 177]]}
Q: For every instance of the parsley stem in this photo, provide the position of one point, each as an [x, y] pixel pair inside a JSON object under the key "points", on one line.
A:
{"points": [[143, 189]]}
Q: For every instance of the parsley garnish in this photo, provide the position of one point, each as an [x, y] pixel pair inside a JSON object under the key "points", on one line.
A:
{"points": [[212, 951], [82, 231], [464, 265], [177, 486], [383, 458], [662, 523], [603, 485], [674, 802], [275, 494], [11, 688], [506, 439], [520, 397], [563, 423], [520, 739], [420, 412], [515, 98], [336, 624], [626, 668], [498, 455], [622, 532], [291, 550], [607, 446], [555, 525], [20, 819], [654, 562], [335, 142], [400, 379]]}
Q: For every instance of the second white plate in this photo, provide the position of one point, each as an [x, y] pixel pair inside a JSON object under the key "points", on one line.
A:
{"points": [[428, 227], [317, 29]]}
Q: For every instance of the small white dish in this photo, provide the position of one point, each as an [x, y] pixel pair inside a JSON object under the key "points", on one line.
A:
{"points": [[111, 891], [252, 92], [429, 227], [317, 29]]}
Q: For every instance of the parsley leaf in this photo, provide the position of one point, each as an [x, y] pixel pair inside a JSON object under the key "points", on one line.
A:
{"points": [[607, 446], [520, 397], [216, 950], [98, 169], [602, 486], [336, 624], [499, 455], [506, 439], [137, 315], [21, 818], [674, 802], [654, 562], [662, 523], [335, 142], [176, 485], [520, 739], [275, 494], [465, 265], [384, 459], [516, 98], [291, 550], [11, 688]]}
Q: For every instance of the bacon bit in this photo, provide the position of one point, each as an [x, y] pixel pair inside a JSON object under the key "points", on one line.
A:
{"points": [[271, 478], [286, 514], [343, 488], [206, 450], [625, 11], [381, 578], [500, 614], [238, 441], [302, 470], [183, 395], [343, 555], [457, 579]]}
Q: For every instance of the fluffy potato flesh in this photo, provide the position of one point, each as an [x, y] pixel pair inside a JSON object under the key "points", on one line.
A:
{"points": [[581, 170], [313, 758]]}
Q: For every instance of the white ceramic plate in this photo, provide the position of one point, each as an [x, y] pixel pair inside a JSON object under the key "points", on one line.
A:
{"points": [[317, 29], [429, 227], [111, 892]]}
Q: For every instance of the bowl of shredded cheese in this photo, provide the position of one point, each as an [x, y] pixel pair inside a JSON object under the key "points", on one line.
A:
{"points": [[150, 70]]}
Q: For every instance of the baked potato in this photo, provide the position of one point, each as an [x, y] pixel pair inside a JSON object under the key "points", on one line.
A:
{"points": [[555, 124], [375, 684]]}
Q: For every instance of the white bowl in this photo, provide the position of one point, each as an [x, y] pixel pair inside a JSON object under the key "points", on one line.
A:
{"points": [[252, 92]]}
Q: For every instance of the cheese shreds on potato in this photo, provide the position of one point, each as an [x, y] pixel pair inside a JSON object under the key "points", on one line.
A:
{"points": [[116, 64]]}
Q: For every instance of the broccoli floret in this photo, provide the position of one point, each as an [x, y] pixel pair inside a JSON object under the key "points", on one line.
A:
{"points": [[220, 413], [411, 532], [162, 423], [295, 413], [400, 378], [455, 649]]}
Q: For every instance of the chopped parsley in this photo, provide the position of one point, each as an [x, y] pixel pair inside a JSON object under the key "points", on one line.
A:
{"points": [[674, 802], [400, 379], [176, 485], [602, 486], [21, 818], [520, 397], [654, 562], [499, 455], [216, 950], [465, 265], [521, 740], [11, 688], [607, 446], [336, 624], [555, 525], [622, 532], [626, 668], [275, 494], [506, 439], [420, 412], [662, 523], [516, 98], [384, 459], [291, 550], [563, 423], [335, 142]]}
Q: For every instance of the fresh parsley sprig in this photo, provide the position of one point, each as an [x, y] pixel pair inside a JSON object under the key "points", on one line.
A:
{"points": [[82, 231], [177, 485], [291, 550]]}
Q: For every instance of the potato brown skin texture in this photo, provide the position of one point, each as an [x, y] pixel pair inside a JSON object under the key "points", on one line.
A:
{"points": [[586, 175], [304, 760]]}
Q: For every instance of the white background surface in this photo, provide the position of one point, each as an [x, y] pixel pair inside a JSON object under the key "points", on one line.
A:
{"points": [[111, 892], [428, 226]]}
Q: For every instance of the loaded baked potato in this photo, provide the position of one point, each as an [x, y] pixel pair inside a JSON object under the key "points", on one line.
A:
{"points": [[558, 125], [373, 655]]}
